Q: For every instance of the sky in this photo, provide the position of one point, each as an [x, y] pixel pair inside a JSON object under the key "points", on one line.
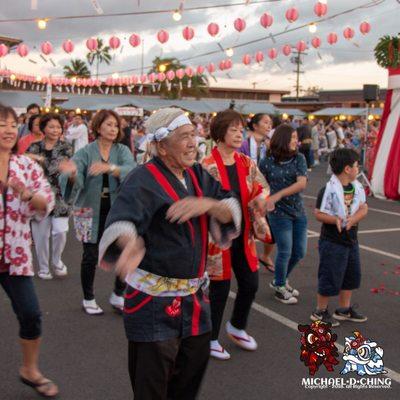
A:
{"points": [[346, 65]]}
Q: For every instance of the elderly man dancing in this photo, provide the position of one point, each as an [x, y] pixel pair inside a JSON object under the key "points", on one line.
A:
{"points": [[156, 235]]}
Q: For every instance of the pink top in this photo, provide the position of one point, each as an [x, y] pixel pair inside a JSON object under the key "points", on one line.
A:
{"points": [[26, 141]]}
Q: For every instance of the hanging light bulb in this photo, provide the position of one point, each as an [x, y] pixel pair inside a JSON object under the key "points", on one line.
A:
{"points": [[177, 16], [39, 78], [323, 1], [42, 24], [312, 28], [162, 67], [229, 52], [13, 77], [115, 75]]}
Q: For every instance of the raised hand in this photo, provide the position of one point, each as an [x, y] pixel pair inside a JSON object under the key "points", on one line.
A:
{"points": [[99, 168], [187, 208], [67, 167]]}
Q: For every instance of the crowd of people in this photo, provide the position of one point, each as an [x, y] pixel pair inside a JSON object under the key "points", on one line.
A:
{"points": [[175, 207]]}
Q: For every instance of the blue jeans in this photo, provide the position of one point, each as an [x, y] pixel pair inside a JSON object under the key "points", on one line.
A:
{"points": [[291, 241]]}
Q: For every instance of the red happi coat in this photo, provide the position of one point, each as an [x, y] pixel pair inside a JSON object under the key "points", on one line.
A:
{"points": [[252, 185]]}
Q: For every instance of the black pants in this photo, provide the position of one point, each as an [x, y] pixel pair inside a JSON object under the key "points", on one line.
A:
{"points": [[25, 304], [247, 289], [306, 150], [171, 369]]}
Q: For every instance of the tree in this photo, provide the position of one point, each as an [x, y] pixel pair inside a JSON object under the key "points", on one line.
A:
{"points": [[77, 68], [100, 55], [312, 91], [179, 87]]}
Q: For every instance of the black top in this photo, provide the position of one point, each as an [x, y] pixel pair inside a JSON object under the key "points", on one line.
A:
{"points": [[329, 231], [233, 178]]}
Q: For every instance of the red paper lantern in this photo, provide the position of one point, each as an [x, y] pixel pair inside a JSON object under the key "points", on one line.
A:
{"points": [[259, 56], [200, 70], [161, 76], [68, 46], [211, 68], [134, 40], [162, 36], [286, 50], [152, 77], [316, 42], [228, 63], [22, 50], [188, 33], [348, 33], [143, 78], [170, 75], [92, 44], [189, 71], [180, 73], [134, 80], [292, 14], [365, 28], [246, 59], [320, 9], [46, 48], [221, 65], [266, 20], [3, 50], [332, 38], [114, 42], [239, 24], [213, 29], [301, 46], [272, 53]]}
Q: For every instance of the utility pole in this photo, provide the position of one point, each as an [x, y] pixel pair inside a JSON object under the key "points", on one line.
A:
{"points": [[297, 60]]}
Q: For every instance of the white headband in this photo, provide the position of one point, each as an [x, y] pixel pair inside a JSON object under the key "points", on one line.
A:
{"points": [[163, 132]]}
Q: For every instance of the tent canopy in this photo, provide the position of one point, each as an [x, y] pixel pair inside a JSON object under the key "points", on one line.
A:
{"points": [[332, 111]]}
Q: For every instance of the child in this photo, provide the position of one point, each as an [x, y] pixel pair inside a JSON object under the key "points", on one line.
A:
{"points": [[340, 206]]}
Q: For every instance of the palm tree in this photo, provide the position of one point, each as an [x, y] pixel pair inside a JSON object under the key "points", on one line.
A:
{"points": [[100, 55], [199, 83], [78, 69]]}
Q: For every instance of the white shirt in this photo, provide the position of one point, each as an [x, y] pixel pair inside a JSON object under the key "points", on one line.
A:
{"points": [[332, 139], [78, 135]]}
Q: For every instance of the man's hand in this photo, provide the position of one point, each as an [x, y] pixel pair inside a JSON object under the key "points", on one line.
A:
{"points": [[132, 254], [99, 168], [190, 207], [68, 167], [350, 222], [339, 224]]}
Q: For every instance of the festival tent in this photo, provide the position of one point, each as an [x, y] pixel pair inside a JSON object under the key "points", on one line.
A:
{"points": [[355, 112]]}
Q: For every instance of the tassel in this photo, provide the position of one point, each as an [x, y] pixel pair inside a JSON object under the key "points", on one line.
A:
{"points": [[140, 88], [189, 83], [107, 89], [112, 90], [153, 89], [101, 90], [180, 85], [90, 92], [120, 90]]}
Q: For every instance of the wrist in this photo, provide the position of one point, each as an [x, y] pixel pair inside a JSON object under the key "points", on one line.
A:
{"points": [[112, 168]]}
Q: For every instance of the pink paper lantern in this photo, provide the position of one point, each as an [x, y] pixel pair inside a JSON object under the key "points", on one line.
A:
{"points": [[292, 14], [228, 63], [162, 36], [259, 56], [22, 50], [92, 44], [78, 81], [3, 50], [170, 75], [365, 28], [266, 20], [200, 70], [320, 9], [114, 42], [286, 50], [332, 38], [272, 53], [143, 78], [46, 48], [134, 80], [180, 73], [189, 71], [246, 59], [125, 81], [213, 29], [109, 81], [68, 46], [134, 40], [221, 65], [301, 46], [348, 33], [152, 77], [161, 77], [316, 42], [188, 33], [211, 68], [239, 24]]}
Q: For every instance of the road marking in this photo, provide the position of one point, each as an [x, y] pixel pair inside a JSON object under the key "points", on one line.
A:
{"points": [[371, 249], [380, 230], [293, 325], [369, 208]]}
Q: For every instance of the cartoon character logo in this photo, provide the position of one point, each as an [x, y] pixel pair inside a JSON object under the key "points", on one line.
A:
{"points": [[318, 346], [362, 356]]}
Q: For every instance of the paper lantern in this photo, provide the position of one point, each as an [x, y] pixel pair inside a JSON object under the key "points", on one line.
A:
{"points": [[143, 78], [301, 46], [200, 70], [46, 48], [266, 20], [134, 80], [239, 24], [272, 53], [320, 9], [316, 42], [292, 14], [134, 40], [286, 50], [152, 77], [211, 68], [246, 59], [332, 38], [109, 81], [228, 63], [188, 33], [221, 65], [259, 56], [189, 71], [365, 28], [180, 73], [161, 77], [92, 44], [3, 50], [68, 46], [213, 29], [114, 42], [162, 36], [348, 33], [22, 50], [170, 75]]}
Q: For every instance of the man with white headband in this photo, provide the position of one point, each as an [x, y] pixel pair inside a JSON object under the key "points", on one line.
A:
{"points": [[156, 235]]}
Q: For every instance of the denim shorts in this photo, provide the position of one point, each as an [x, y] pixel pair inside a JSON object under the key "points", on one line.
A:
{"points": [[339, 268]]}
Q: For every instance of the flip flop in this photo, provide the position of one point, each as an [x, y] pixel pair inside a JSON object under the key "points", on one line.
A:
{"points": [[268, 267], [43, 383]]}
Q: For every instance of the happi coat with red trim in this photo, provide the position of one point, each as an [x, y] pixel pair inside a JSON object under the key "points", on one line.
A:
{"points": [[174, 252]]}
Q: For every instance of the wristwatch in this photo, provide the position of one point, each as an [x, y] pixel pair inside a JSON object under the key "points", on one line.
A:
{"points": [[113, 167]]}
